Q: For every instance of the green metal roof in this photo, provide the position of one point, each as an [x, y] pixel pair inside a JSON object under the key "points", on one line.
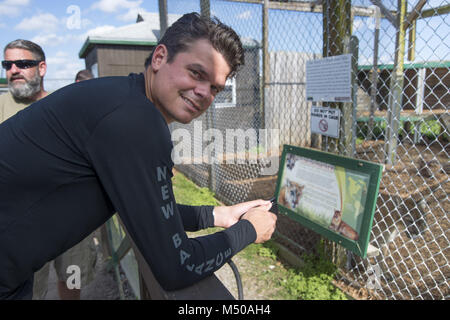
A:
{"points": [[3, 81], [418, 65]]}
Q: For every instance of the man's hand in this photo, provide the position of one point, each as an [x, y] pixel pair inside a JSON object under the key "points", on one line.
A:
{"points": [[226, 216], [254, 211], [263, 221]]}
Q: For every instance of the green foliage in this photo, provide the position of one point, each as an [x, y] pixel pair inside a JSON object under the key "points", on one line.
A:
{"points": [[430, 128], [268, 249], [314, 280], [378, 132], [188, 193]]}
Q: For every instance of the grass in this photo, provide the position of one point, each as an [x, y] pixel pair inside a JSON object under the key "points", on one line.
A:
{"points": [[186, 192], [260, 264], [314, 281]]}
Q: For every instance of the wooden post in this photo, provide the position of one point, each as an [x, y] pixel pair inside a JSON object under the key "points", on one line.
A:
{"points": [[374, 84], [396, 85], [205, 8], [412, 41], [336, 41]]}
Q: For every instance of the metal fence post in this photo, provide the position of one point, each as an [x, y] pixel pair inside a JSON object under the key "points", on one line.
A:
{"points": [[397, 78], [265, 62], [162, 4]]}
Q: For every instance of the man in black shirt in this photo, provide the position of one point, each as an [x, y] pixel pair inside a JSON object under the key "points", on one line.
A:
{"points": [[71, 160]]}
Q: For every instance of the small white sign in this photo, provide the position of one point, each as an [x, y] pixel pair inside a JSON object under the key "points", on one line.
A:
{"points": [[329, 79], [325, 121]]}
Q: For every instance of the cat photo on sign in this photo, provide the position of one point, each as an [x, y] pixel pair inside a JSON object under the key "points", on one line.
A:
{"points": [[339, 226], [290, 194]]}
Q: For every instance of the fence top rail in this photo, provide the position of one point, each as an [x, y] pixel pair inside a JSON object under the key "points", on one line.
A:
{"points": [[417, 65], [316, 6], [312, 6]]}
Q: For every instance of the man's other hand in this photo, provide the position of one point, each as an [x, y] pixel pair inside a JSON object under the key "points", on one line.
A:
{"points": [[256, 211], [226, 216]]}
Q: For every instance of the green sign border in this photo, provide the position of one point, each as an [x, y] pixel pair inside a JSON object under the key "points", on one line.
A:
{"points": [[374, 170]]}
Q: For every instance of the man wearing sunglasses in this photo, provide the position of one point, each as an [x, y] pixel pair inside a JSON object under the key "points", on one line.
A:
{"points": [[24, 62]]}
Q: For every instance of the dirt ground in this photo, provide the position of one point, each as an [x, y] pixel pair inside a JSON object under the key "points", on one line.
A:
{"points": [[412, 212], [102, 287]]}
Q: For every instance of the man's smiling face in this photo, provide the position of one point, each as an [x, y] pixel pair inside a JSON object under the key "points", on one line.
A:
{"points": [[184, 88]]}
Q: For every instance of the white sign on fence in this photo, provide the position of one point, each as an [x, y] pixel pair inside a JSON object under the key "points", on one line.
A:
{"points": [[325, 121], [329, 79]]}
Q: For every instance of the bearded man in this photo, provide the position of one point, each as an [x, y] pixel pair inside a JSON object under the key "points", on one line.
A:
{"points": [[24, 62]]}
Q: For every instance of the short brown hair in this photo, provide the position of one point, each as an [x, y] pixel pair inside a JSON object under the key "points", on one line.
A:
{"points": [[191, 27]]}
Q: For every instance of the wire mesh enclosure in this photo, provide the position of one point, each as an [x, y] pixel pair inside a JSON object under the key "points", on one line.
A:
{"points": [[398, 116]]}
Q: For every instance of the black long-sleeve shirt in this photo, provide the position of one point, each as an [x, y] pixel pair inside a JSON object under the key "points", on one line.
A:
{"points": [[72, 159]]}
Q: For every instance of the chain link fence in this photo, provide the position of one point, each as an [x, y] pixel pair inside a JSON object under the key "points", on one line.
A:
{"points": [[398, 117]]}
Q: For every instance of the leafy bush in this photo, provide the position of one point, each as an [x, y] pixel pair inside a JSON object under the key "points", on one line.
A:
{"points": [[430, 128], [314, 280], [269, 250]]}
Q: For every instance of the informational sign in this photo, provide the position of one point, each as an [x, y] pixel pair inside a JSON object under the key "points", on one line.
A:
{"points": [[325, 121], [332, 195], [329, 79]]}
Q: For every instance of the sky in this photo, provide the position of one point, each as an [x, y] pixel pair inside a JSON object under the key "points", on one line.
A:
{"points": [[61, 27]]}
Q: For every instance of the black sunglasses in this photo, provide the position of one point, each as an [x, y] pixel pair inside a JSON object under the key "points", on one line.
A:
{"points": [[21, 64]]}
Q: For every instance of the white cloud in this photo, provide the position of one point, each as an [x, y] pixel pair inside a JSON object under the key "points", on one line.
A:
{"points": [[12, 8], [96, 31], [59, 58], [42, 21], [115, 5], [49, 39], [85, 23], [17, 2], [245, 15], [66, 71], [61, 70], [131, 14], [53, 39]]}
